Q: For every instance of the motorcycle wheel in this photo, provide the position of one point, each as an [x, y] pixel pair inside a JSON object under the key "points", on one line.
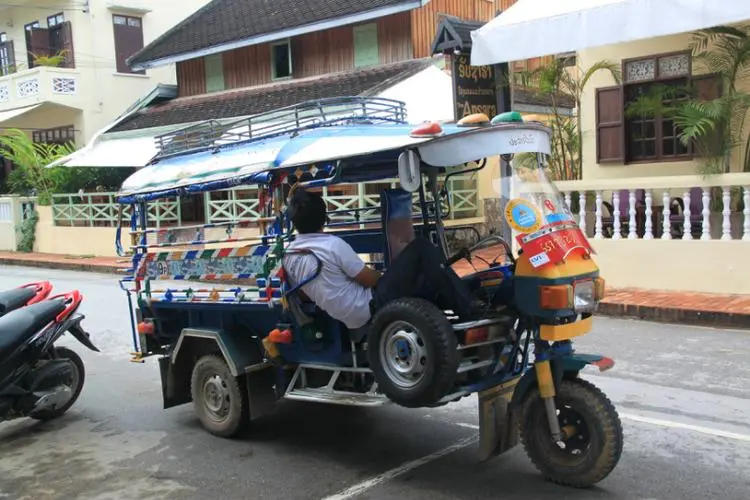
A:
{"points": [[76, 384], [592, 431], [219, 399]]}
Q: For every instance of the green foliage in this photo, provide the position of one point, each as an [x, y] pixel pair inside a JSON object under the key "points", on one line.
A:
{"points": [[54, 60], [715, 127], [30, 175], [556, 81], [27, 233]]}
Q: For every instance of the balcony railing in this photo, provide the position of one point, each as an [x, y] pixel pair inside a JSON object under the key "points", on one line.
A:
{"points": [[38, 85]]}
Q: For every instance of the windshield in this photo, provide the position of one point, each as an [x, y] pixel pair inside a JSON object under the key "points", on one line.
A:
{"points": [[542, 223]]}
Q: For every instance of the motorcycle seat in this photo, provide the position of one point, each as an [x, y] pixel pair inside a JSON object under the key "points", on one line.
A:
{"points": [[18, 326], [15, 298]]}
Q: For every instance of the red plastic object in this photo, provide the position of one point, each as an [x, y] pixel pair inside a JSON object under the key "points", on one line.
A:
{"points": [[427, 130], [146, 328], [604, 364], [280, 336], [43, 289], [554, 246], [72, 301]]}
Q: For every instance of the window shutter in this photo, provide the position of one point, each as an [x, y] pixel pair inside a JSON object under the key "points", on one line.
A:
{"points": [[66, 44], [7, 58], [39, 45], [128, 40], [214, 68], [708, 88], [366, 45], [610, 125]]}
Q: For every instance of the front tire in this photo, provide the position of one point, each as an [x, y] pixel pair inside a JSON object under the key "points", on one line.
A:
{"points": [[75, 383], [592, 430], [219, 399]]}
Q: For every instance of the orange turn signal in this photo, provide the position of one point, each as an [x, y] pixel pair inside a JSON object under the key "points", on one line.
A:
{"points": [[556, 297]]}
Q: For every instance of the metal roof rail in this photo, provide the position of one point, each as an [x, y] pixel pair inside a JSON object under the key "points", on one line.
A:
{"points": [[212, 134]]}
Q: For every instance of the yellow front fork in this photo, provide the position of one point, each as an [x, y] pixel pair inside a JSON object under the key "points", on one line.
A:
{"points": [[547, 392]]}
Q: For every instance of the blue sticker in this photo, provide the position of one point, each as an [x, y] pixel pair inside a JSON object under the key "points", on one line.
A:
{"points": [[552, 218]]}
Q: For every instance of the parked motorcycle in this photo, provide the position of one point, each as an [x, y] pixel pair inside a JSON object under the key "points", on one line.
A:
{"points": [[25, 295], [37, 378]]}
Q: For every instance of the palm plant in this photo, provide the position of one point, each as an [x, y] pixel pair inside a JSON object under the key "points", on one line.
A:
{"points": [[558, 82], [30, 160]]}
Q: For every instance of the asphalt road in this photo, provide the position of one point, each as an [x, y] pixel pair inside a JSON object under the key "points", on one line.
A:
{"points": [[683, 394]]}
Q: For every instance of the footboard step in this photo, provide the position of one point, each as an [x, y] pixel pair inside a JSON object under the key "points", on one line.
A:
{"points": [[338, 397]]}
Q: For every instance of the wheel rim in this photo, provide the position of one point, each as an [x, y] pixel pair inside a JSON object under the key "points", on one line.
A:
{"points": [[576, 442], [72, 383], [216, 397], [403, 353]]}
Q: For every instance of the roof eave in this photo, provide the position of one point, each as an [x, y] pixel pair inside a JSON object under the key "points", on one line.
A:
{"points": [[406, 6]]}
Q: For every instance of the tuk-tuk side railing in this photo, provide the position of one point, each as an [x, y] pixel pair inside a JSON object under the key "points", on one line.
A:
{"points": [[311, 114]]}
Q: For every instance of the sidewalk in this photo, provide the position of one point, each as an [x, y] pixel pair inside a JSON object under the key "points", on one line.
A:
{"points": [[714, 310]]}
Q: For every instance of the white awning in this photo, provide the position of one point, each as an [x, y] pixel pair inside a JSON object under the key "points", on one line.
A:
{"points": [[535, 28], [125, 152], [12, 113]]}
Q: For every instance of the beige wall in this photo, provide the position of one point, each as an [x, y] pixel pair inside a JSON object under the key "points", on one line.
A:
{"points": [[702, 266], [107, 93], [616, 53], [99, 241]]}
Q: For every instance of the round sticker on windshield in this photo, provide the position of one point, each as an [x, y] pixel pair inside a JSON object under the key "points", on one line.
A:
{"points": [[522, 216]]}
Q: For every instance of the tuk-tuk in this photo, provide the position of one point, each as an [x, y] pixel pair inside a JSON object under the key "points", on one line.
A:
{"points": [[239, 336]]}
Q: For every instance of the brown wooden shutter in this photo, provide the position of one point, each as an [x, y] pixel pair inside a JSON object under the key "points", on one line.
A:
{"points": [[66, 44], [610, 125], [39, 45], [128, 41], [708, 88]]}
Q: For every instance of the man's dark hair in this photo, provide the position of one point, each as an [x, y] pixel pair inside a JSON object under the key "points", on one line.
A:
{"points": [[307, 211]]}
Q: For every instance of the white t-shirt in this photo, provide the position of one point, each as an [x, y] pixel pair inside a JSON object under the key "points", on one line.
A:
{"points": [[334, 290]]}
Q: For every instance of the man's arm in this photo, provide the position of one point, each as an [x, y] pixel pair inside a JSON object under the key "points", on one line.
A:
{"points": [[367, 277]]}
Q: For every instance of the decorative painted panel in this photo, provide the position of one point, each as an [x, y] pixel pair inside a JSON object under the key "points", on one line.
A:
{"points": [[4, 93]]}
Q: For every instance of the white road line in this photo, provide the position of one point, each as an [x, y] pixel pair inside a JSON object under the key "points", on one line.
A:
{"points": [[690, 427], [360, 488]]}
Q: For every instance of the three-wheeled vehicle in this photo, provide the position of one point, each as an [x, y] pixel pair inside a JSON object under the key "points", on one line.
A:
{"points": [[238, 346]]}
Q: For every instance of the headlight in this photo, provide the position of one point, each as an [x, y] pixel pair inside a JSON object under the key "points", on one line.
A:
{"points": [[584, 297]]}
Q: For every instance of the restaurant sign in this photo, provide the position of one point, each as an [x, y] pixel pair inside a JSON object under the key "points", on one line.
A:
{"points": [[474, 88]]}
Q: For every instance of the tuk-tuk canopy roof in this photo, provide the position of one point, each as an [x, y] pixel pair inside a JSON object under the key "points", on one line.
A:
{"points": [[359, 139]]}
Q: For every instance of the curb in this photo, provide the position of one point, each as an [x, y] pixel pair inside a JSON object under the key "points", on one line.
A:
{"points": [[63, 266], [714, 319]]}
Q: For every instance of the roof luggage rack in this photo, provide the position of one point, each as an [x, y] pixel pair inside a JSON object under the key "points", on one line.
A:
{"points": [[213, 134]]}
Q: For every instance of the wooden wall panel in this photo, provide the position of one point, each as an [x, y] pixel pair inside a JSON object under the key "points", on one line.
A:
{"points": [[323, 52], [424, 21], [191, 77], [394, 38], [247, 66]]}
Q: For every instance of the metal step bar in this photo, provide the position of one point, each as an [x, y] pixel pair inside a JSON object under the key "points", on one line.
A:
{"points": [[298, 390]]}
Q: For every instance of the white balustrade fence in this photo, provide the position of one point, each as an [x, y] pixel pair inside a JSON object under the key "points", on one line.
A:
{"points": [[675, 207]]}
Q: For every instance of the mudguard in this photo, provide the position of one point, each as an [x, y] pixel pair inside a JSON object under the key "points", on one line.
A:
{"points": [[570, 363], [240, 352]]}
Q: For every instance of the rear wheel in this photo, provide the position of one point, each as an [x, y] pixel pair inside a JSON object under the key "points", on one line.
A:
{"points": [[74, 383], [412, 352], [219, 399], [592, 435]]}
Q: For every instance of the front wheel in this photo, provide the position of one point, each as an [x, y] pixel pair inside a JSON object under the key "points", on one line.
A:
{"points": [[219, 398], [592, 435]]}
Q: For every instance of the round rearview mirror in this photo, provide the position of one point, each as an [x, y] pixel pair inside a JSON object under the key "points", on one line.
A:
{"points": [[408, 170]]}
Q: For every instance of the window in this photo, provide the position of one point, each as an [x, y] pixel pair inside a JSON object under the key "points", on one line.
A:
{"points": [[568, 59], [128, 33], [59, 135], [366, 45], [214, 68], [55, 20], [7, 56], [281, 60], [28, 31], [623, 137], [3, 37]]}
